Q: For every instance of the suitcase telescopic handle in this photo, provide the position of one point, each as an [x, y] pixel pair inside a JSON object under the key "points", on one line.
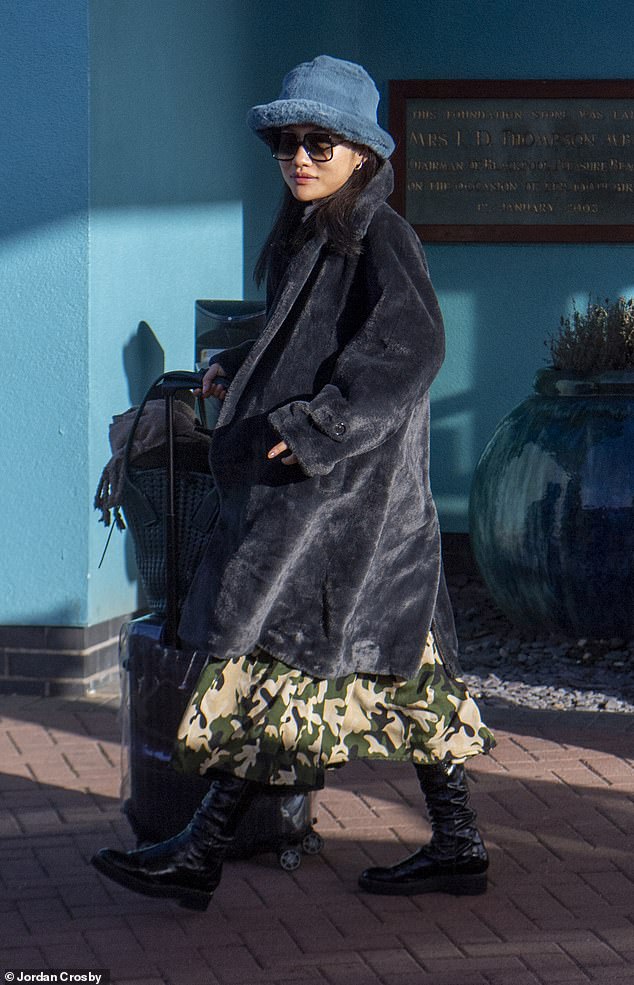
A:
{"points": [[179, 380], [166, 386]]}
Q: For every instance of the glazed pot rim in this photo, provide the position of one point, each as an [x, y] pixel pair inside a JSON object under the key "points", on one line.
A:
{"points": [[570, 383]]}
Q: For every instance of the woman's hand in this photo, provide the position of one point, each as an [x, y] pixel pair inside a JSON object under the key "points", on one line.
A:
{"points": [[211, 389], [279, 449]]}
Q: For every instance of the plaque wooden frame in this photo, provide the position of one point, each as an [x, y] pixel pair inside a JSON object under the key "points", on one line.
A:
{"points": [[522, 231]]}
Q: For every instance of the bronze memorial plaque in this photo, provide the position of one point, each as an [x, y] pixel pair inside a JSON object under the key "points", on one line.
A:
{"points": [[495, 161]]}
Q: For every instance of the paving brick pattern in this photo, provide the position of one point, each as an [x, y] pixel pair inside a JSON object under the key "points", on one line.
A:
{"points": [[556, 804]]}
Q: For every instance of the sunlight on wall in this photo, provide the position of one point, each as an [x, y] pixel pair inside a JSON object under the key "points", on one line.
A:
{"points": [[153, 262], [43, 421], [452, 411], [147, 264], [580, 298]]}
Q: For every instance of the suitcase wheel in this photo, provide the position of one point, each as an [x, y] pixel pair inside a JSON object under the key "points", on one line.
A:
{"points": [[290, 859], [312, 843]]}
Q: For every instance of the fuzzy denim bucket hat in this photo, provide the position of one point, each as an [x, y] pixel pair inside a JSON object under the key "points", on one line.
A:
{"points": [[331, 93]]}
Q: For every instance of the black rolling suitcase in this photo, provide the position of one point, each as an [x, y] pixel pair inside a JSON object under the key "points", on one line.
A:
{"points": [[170, 509]]}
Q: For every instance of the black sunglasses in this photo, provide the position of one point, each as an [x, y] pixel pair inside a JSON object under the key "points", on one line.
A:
{"points": [[318, 145]]}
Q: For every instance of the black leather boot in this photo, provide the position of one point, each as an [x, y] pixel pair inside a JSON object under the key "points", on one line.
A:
{"points": [[188, 866], [455, 861]]}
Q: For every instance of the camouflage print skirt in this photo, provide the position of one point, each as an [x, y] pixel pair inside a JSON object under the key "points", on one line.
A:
{"points": [[262, 720]]}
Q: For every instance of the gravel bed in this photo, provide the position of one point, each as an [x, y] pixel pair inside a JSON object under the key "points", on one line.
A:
{"points": [[505, 664]]}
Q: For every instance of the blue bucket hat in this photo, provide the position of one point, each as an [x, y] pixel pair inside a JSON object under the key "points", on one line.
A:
{"points": [[331, 93]]}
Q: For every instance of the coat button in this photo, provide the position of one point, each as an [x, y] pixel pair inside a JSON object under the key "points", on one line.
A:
{"points": [[339, 428]]}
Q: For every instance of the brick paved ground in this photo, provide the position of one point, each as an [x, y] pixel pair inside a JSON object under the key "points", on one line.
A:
{"points": [[556, 802]]}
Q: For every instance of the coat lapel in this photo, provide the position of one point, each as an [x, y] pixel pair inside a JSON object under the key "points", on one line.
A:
{"points": [[299, 270]]}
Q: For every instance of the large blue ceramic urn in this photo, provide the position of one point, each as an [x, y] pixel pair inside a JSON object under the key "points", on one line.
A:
{"points": [[552, 507]]}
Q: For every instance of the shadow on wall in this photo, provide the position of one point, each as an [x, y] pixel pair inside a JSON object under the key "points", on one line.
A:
{"points": [[143, 363]]}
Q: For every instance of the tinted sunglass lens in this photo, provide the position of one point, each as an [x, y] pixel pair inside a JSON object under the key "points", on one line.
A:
{"points": [[285, 147], [318, 146]]}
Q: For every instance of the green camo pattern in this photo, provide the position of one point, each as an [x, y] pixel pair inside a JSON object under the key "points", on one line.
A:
{"points": [[265, 721]]}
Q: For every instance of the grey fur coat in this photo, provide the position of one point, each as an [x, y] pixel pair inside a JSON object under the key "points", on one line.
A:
{"points": [[333, 566]]}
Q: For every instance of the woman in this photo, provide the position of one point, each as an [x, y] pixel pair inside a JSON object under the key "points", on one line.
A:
{"points": [[321, 594]]}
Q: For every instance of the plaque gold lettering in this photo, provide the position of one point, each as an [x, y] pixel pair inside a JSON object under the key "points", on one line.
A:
{"points": [[548, 114], [505, 161], [532, 207], [479, 114], [429, 139], [528, 138], [416, 165]]}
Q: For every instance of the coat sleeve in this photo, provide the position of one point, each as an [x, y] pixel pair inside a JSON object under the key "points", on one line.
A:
{"points": [[231, 359], [387, 366]]}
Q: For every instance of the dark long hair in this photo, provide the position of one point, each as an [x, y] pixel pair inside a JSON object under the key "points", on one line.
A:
{"points": [[333, 216]]}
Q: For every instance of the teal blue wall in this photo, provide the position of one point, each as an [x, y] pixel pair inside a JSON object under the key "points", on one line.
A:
{"points": [[44, 182], [129, 186], [166, 220], [500, 301]]}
